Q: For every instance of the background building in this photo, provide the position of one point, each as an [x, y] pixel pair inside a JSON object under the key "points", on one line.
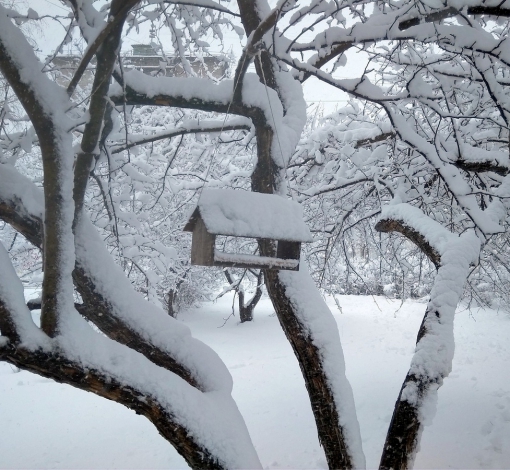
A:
{"points": [[144, 58]]}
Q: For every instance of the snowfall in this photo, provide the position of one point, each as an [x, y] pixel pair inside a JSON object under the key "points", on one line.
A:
{"points": [[50, 425]]}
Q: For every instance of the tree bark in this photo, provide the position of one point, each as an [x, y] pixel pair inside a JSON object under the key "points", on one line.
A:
{"points": [[331, 435], [170, 303]]}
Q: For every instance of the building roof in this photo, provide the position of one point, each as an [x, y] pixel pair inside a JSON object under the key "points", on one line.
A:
{"points": [[248, 214]]}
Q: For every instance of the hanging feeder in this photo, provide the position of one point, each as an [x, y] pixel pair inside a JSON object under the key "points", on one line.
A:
{"points": [[246, 214]]}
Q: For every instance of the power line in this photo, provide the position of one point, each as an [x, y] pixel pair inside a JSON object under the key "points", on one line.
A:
{"points": [[55, 5], [326, 101]]}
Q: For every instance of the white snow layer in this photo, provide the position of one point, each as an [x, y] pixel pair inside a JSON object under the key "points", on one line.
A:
{"points": [[261, 261], [433, 232], [434, 352], [54, 102], [315, 315], [255, 215], [11, 295]]}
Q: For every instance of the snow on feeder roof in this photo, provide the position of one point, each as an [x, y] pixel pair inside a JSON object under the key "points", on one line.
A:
{"points": [[247, 214]]}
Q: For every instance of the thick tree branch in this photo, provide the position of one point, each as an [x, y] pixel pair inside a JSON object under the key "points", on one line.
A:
{"points": [[450, 12], [433, 356], [56, 366], [131, 97], [98, 310], [251, 49], [482, 166], [31, 95], [251, 20], [106, 57], [392, 225]]}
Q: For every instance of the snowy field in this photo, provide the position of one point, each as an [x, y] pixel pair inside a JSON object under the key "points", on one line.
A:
{"points": [[49, 425]]}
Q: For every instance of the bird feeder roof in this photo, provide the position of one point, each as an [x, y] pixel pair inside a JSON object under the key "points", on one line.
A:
{"points": [[248, 214]]}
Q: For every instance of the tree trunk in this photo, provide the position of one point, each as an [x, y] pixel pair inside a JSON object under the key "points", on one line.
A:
{"points": [[245, 313], [432, 360], [246, 310], [405, 428], [331, 434], [170, 303]]}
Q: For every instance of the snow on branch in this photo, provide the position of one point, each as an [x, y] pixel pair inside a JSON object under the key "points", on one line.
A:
{"points": [[209, 4], [16, 323], [448, 171], [22, 69], [430, 236], [211, 419], [316, 318], [479, 160], [172, 91], [259, 103], [432, 360]]}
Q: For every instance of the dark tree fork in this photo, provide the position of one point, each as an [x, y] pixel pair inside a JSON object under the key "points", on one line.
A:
{"points": [[271, 60]]}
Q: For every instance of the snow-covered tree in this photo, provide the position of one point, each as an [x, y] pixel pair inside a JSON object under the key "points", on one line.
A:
{"points": [[427, 151]]}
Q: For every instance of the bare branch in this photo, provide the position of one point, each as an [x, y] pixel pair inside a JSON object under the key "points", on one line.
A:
{"points": [[184, 131]]}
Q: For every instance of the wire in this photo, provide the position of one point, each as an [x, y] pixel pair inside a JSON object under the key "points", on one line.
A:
{"points": [[286, 163], [55, 5], [326, 101]]}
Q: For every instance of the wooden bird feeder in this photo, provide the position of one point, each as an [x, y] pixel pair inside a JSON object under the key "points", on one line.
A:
{"points": [[246, 214]]}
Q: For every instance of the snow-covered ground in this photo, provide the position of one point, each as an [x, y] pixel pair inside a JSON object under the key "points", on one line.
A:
{"points": [[49, 425]]}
